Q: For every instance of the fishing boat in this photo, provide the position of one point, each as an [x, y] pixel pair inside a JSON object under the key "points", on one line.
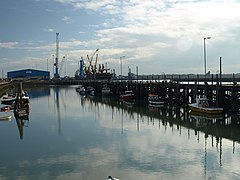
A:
{"points": [[202, 106], [8, 99], [154, 100], [127, 96]]}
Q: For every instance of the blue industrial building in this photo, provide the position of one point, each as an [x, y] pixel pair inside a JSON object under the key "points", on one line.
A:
{"points": [[29, 74]]}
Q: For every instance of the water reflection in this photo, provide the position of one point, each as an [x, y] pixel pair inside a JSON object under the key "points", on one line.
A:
{"points": [[215, 128], [78, 137], [21, 123], [225, 126]]}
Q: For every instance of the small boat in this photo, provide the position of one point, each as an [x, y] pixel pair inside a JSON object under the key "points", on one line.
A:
{"points": [[112, 178], [10, 99], [127, 96], [5, 108], [81, 90], [90, 90], [202, 106], [154, 100], [5, 117], [5, 114]]}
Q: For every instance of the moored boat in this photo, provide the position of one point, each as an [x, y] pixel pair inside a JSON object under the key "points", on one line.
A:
{"points": [[202, 106], [127, 96], [154, 100], [4, 117], [5, 108], [10, 99]]}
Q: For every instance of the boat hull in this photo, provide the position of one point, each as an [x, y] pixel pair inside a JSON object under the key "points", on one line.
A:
{"points": [[206, 110], [5, 118], [154, 100], [127, 97], [8, 101], [155, 103]]}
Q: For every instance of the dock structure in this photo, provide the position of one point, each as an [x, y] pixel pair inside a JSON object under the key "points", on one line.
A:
{"points": [[175, 90], [175, 93]]}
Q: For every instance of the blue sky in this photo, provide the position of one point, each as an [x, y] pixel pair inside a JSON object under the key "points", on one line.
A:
{"points": [[158, 36]]}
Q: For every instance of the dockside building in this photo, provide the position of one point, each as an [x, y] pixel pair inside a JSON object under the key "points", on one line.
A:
{"points": [[29, 74]]}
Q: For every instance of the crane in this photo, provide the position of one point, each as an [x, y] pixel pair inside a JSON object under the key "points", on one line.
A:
{"points": [[56, 75], [95, 64], [90, 60], [82, 74]]}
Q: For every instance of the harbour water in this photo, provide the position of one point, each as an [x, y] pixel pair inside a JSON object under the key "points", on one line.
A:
{"points": [[69, 136]]}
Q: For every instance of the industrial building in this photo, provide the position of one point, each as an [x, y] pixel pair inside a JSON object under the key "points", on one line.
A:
{"points": [[29, 74]]}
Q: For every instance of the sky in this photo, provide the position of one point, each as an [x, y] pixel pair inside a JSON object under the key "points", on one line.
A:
{"points": [[157, 36]]}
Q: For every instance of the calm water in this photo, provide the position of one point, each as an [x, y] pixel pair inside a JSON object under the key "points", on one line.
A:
{"points": [[73, 137]]}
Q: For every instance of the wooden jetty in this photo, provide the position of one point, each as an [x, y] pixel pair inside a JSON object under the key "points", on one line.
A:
{"points": [[176, 93], [179, 91]]}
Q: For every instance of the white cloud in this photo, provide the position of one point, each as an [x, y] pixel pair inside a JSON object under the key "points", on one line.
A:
{"points": [[67, 20], [8, 45], [153, 31], [50, 30]]}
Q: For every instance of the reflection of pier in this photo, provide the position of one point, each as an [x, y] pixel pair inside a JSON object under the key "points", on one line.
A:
{"points": [[211, 132], [220, 126]]}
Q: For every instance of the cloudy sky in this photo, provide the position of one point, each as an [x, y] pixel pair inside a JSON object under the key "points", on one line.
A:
{"points": [[158, 36]]}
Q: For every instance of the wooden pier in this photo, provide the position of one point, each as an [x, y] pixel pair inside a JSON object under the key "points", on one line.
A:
{"points": [[175, 93], [178, 91]]}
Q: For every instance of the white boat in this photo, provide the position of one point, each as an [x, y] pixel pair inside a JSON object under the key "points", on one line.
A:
{"points": [[154, 100], [202, 106], [10, 99], [5, 117]]}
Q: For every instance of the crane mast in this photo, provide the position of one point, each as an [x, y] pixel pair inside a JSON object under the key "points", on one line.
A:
{"points": [[56, 75]]}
